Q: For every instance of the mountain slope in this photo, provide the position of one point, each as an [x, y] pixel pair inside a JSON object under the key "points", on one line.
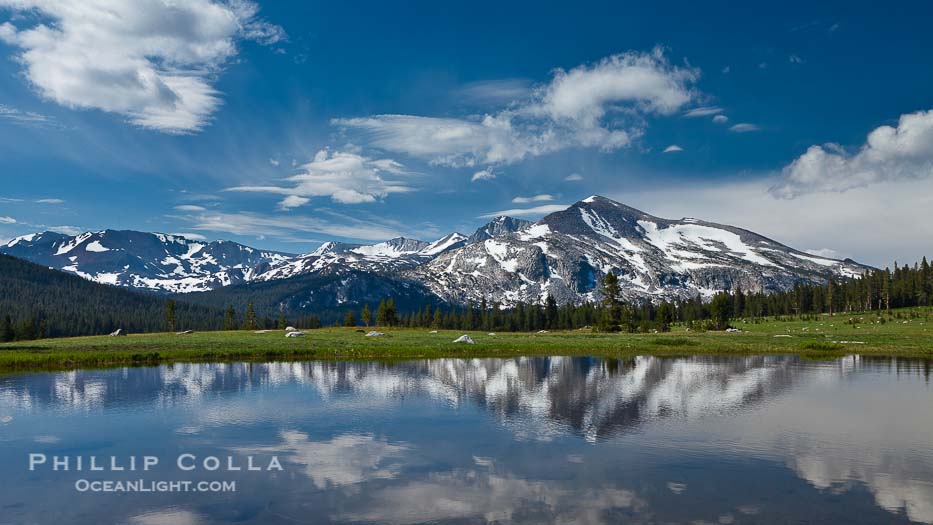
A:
{"points": [[152, 261], [567, 253], [67, 305], [328, 293], [501, 225]]}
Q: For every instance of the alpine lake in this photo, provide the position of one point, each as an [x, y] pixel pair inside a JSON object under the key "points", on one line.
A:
{"points": [[532, 440]]}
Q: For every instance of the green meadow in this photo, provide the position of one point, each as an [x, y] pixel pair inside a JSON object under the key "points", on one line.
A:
{"points": [[900, 333]]}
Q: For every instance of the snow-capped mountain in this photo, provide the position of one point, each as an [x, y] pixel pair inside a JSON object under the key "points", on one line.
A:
{"points": [[153, 261], [390, 256], [567, 253], [501, 225]]}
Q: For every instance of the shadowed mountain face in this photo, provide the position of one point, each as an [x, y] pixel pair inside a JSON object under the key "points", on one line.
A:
{"points": [[566, 254]]}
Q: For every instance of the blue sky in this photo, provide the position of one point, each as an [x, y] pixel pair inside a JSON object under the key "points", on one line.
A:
{"points": [[282, 124]]}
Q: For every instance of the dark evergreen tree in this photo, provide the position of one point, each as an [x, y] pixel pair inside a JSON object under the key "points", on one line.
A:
{"points": [[229, 318], [249, 323], [170, 317]]}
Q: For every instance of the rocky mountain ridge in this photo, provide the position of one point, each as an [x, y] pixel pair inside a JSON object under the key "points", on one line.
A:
{"points": [[506, 261]]}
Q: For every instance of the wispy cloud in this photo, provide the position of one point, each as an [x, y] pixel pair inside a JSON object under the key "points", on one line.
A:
{"points": [[483, 175], [293, 201], [50, 201], [889, 153], [720, 119], [601, 105], [289, 226], [544, 197], [744, 127], [573, 177], [345, 177], [526, 212], [7, 220], [495, 91], [25, 117], [673, 148], [153, 62], [704, 111]]}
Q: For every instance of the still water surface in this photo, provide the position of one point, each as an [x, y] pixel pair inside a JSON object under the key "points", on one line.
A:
{"points": [[528, 440]]}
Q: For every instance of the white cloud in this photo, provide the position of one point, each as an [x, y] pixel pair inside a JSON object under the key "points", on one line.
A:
{"points": [[67, 230], [743, 127], [673, 148], [289, 226], [703, 111], [274, 163], [573, 177], [293, 201], [889, 153], [794, 59], [720, 119], [190, 207], [7, 220], [18, 116], [50, 201], [483, 175], [526, 212], [544, 197], [495, 91], [602, 105], [347, 178], [152, 61]]}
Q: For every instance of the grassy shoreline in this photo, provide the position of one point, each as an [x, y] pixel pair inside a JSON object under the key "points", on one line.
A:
{"points": [[823, 338]]}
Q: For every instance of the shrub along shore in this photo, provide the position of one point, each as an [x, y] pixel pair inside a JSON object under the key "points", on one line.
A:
{"points": [[898, 333]]}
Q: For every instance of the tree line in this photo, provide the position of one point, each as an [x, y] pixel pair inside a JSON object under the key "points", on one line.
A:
{"points": [[37, 302]]}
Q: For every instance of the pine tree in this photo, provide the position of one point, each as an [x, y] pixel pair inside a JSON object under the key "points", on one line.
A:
{"points": [[611, 319], [7, 332], [283, 323], [391, 313], [665, 316], [721, 310], [250, 322], [550, 312], [349, 319], [438, 320], [170, 318], [366, 316], [381, 319], [229, 318]]}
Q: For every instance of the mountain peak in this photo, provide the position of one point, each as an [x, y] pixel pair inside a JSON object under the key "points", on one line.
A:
{"points": [[501, 225]]}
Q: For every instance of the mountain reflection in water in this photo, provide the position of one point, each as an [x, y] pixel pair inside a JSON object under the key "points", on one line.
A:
{"points": [[528, 440]]}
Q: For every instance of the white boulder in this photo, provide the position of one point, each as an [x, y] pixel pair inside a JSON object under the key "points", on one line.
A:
{"points": [[465, 339], [374, 333], [295, 334]]}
